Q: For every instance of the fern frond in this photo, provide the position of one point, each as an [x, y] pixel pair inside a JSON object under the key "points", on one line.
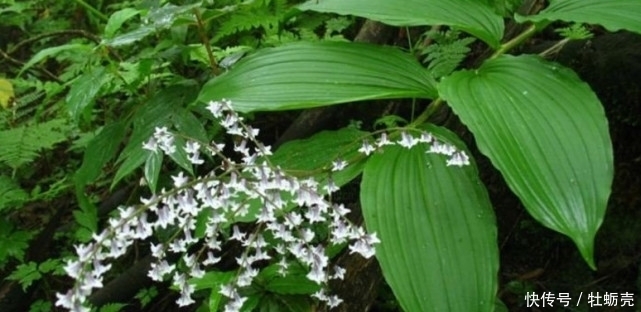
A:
{"points": [[11, 195], [446, 53], [245, 21], [263, 14], [21, 145]]}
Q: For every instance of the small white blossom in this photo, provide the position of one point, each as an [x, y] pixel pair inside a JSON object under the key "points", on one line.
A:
{"points": [[407, 140], [366, 148], [338, 165]]}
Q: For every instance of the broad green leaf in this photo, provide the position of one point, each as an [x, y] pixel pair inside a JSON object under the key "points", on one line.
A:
{"points": [[117, 19], [153, 164], [547, 133], [474, 17], [311, 74], [53, 51], [84, 90], [613, 15], [100, 150], [438, 249]]}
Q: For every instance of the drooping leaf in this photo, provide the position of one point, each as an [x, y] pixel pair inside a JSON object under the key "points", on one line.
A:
{"points": [[613, 15], [474, 17], [438, 248], [547, 133], [53, 51], [99, 151], [117, 19], [311, 74], [153, 164], [84, 90]]}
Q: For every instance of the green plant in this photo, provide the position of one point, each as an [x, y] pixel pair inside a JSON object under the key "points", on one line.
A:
{"points": [[539, 124]]}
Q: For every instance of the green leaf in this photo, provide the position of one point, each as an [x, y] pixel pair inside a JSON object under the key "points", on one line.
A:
{"points": [[112, 307], [84, 90], [152, 169], [7, 96], [40, 306], [51, 265], [474, 17], [547, 133], [130, 37], [613, 15], [26, 274], [189, 125], [319, 151], [438, 247], [117, 19], [295, 282], [159, 19], [146, 295], [13, 243], [100, 150], [134, 160], [213, 280], [53, 51], [311, 74]]}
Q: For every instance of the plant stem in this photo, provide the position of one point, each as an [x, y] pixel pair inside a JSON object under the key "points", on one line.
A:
{"points": [[205, 40], [92, 10], [529, 32], [436, 104]]}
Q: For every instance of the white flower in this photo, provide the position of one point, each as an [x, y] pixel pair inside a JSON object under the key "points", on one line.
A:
{"points": [[366, 148], [338, 165], [407, 140], [459, 159]]}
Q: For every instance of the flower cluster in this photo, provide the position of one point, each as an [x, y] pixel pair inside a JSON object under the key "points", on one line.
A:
{"points": [[455, 157], [284, 207]]}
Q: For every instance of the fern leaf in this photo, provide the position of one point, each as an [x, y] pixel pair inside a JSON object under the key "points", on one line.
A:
{"points": [[21, 145], [446, 53], [11, 195]]}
